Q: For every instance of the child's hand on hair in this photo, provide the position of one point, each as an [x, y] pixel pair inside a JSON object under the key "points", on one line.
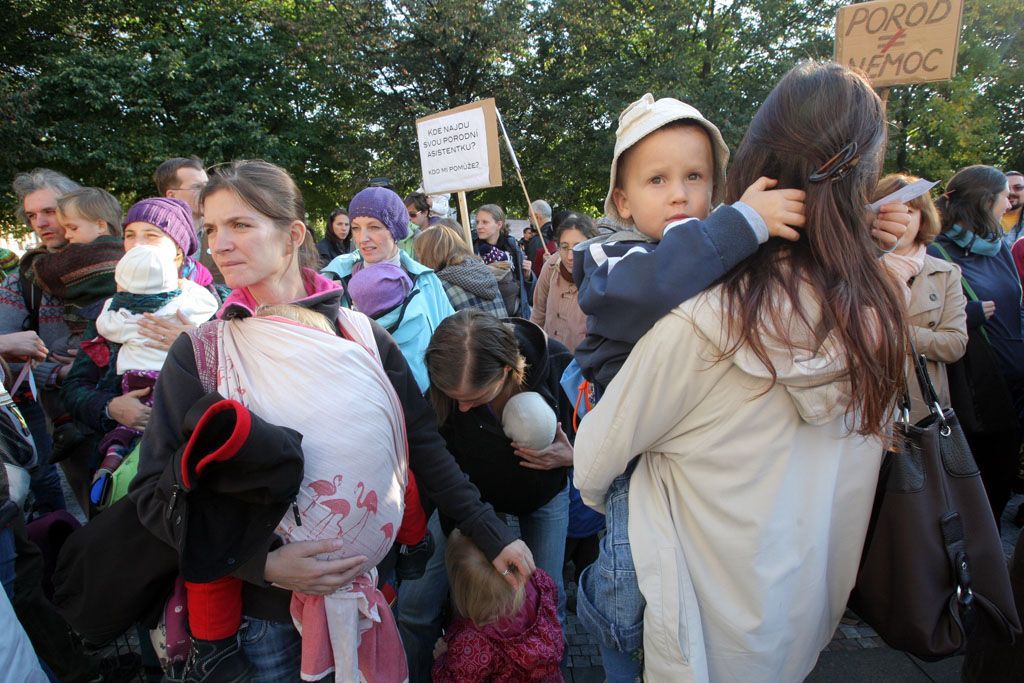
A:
{"points": [[890, 224], [440, 647], [782, 210]]}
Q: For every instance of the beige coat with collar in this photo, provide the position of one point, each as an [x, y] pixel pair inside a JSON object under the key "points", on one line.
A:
{"points": [[749, 506], [938, 319]]}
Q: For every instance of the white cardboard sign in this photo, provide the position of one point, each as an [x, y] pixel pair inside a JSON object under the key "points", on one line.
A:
{"points": [[459, 148]]}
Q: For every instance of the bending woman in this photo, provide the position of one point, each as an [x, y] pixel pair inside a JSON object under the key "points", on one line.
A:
{"points": [[758, 409], [477, 364], [253, 213]]}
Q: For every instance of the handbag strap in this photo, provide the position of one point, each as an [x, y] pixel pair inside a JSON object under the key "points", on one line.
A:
{"points": [[968, 290], [928, 393]]}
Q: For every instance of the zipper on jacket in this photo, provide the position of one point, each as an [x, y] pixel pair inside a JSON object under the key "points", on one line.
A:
{"points": [[175, 489], [295, 511]]}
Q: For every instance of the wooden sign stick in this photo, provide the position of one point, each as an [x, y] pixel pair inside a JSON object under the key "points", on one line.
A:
{"points": [[464, 215], [519, 173]]}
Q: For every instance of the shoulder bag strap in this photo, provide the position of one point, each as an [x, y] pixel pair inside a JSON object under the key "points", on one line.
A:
{"points": [[924, 382], [968, 290]]}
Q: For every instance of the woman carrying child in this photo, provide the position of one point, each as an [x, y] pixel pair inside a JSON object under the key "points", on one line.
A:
{"points": [[148, 282], [92, 391], [254, 217], [379, 222], [750, 493]]}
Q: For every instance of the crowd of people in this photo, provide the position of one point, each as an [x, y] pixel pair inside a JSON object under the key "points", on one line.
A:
{"points": [[383, 455]]}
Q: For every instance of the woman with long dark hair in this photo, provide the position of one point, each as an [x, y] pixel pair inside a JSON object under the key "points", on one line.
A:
{"points": [[972, 237], [758, 408], [337, 238]]}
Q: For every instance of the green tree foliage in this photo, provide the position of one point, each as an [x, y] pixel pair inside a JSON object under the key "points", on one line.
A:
{"points": [[974, 118], [107, 89]]}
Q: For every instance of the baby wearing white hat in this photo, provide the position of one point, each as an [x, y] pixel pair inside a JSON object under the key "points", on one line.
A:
{"points": [[147, 281]]}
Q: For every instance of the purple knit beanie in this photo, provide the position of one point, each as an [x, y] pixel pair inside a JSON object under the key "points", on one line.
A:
{"points": [[379, 288], [173, 216], [384, 205]]}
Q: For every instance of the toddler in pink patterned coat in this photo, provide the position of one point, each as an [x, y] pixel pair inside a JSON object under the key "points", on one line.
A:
{"points": [[499, 633]]}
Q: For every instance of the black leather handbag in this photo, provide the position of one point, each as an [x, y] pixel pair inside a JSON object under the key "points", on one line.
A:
{"points": [[933, 574]]}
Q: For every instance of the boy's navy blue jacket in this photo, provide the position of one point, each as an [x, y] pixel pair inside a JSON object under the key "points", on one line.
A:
{"points": [[651, 278]]}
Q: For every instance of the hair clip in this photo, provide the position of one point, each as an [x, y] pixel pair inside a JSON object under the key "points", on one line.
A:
{"points": [[838, 166], [948, 193]]}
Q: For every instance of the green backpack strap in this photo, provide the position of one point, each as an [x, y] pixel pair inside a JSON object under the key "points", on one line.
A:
{"points": [[968, 290]]}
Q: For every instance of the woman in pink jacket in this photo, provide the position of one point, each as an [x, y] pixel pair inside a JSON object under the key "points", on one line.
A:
{"points": [[555, 304]]}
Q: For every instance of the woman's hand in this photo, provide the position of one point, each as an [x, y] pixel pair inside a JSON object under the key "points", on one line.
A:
{"points": [[515, 563], [440, 647], [295, 567], [558, 454], [128, 410], [890, 224], [23, 346], [161, 332], [988, 308]]}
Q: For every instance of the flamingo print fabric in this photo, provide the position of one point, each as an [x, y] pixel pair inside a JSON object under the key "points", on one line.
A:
{"points": [[355, 450]]}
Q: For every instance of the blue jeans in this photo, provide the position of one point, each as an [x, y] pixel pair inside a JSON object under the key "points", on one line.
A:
{"points": [[609, 603], [7, 557], [274, 648], [421, 602], [45, 486]]}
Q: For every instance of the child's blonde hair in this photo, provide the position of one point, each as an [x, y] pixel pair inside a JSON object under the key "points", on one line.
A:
{"points": [[303, 316], [478, 592], [93, 204]]}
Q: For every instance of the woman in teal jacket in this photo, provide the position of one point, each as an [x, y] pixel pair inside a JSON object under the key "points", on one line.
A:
{"points": [[379, 222]]}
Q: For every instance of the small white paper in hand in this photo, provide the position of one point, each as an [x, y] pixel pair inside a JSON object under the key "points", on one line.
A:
{"points": [[904, 194]]}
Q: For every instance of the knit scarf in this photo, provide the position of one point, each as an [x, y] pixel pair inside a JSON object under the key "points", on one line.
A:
{"points": [[564, 272], [903, 267], [142, 303], [974, 243], [196, 272], [80, 274]]}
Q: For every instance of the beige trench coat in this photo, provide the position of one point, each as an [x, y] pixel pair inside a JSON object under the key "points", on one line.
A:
{"points": [[938, 319], [749, 506]]}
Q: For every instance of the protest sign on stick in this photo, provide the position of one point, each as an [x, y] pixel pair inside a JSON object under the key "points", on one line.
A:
{"points": [[900, 42], [459, 149]]}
